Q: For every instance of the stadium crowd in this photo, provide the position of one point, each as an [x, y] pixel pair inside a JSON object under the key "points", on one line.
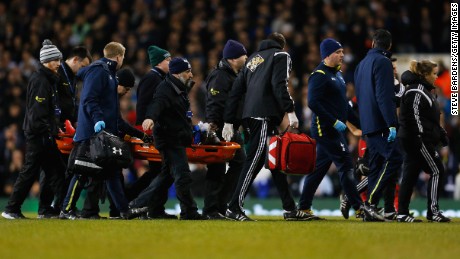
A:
{"points": [[198, 30]]}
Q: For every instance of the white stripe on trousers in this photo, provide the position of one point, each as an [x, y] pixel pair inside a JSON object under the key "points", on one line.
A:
{"points": [[434, 178], [255, 161], [363, 184]]}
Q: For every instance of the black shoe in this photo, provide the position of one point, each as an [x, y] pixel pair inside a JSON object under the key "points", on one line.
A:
{"points": [[94, 216], [115, 215], [215, 216], [389, 216], [12, 215], [48, 216], [437, 217], [133, 212], [371, 213], [298, 215], [345, 206], [68, 215], [238, 216], [407, 219], [194, 216], [162, 215]]}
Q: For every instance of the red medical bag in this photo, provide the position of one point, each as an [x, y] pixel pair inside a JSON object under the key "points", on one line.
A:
{"points": [[292, 153]]}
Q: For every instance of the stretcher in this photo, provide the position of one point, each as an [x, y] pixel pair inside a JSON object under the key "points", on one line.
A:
{"points": [[198, 154]]}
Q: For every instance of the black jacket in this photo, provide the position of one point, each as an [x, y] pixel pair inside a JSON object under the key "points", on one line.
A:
{"points": [[41, 100], [218, 85], [67, 91], [419, 112], [169, 109], [146, 90], [264, 79]]}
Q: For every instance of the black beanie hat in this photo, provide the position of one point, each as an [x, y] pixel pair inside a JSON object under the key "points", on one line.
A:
{"points": [[126, 78], [179, 65], [233, 49]]}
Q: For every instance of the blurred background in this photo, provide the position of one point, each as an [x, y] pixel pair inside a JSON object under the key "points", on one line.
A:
{"points": [[198, 30]]}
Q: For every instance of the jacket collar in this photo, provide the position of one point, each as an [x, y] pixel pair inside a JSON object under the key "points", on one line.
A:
{"points": [[224, 65], [269, 44], [159, 71], [68, 71], [50, 75], [384, 52], [333, 70], [177, 85], [111, 63]]}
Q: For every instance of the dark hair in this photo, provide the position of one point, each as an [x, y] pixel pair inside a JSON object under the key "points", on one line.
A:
{"points": [[278, 37], [382, 39], [81, 52]]}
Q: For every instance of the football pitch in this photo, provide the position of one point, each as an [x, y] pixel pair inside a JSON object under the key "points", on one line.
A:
{"points": [[269, 237]]}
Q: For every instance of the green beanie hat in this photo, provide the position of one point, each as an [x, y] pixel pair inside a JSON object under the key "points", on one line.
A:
{"points": [[156, 55]]}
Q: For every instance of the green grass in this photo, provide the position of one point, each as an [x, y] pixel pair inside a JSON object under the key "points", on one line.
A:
{"points": [[269, 237]]}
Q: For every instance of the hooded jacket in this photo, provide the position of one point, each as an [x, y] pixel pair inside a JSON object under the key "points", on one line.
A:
{"points": [[98, 99], [419, 112], [264, 80], [41, 101]]}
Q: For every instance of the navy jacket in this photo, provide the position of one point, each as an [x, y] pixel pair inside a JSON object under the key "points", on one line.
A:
{"points": [[145, 91], [374, 86], [169, 109], [327, 99], [264, 80], [98, 99]]}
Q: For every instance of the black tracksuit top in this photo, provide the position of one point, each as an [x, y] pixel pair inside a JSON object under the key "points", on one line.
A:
{"points": [[419, 112], [264, 80]]}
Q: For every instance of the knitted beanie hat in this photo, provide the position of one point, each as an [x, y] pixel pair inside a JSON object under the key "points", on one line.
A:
{"points": [[329, 46], [233, 49], [179, 65], [156, 55], [49, 52]]}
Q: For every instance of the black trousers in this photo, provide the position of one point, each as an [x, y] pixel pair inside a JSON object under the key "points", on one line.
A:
{"points": [[146, 188], [385, 160], [420, 157], [221, 183], [259, 132], [175, 165], [41, 154], [47, 197]]}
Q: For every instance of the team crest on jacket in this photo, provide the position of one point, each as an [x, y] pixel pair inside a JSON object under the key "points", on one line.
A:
{"points": [[255, 62]]}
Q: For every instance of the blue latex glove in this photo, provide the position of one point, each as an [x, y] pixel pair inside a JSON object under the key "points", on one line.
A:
{"points": [[100, 125], [340, 126], [392, 134]]}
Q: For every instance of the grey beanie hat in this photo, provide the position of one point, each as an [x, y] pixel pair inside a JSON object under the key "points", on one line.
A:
{"points": [[49, 52]]}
